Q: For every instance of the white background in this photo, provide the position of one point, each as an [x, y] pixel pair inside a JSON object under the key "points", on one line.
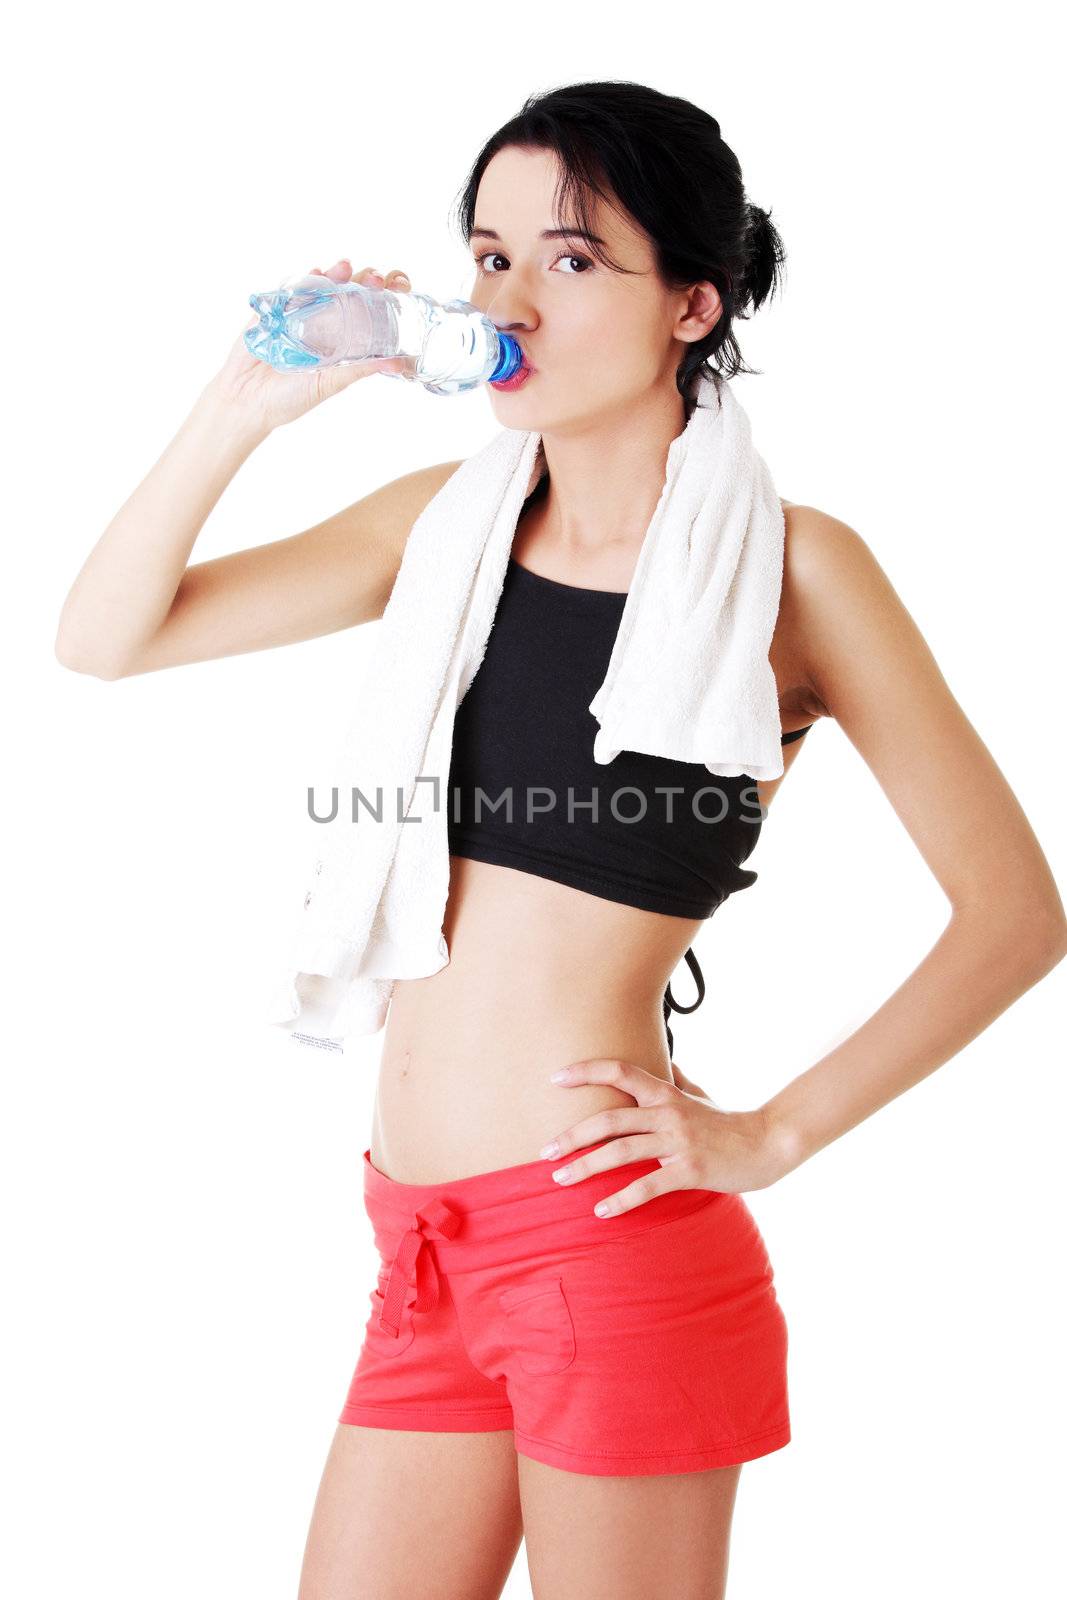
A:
{"points": [[186, 1256]]}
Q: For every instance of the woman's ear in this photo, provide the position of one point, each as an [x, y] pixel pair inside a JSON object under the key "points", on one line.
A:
{"points": [[701, 312]]}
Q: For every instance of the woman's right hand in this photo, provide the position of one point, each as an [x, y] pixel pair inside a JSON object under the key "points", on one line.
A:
{"points": [[266, 399]]}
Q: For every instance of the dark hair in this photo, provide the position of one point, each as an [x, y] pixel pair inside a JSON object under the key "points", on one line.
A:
{"points": [[666, 162]]}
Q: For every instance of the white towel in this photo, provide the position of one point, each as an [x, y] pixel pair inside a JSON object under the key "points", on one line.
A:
{"points": [[689, 678]]}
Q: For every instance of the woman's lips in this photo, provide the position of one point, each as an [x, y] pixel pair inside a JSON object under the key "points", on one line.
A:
{"points": [[516, 380]]}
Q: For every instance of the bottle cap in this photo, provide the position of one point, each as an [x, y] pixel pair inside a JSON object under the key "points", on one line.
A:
{"points": [[510, 358]]}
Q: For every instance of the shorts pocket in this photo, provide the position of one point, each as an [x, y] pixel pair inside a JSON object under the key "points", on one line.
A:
{"points": [[540, 1325], [382, 1340]]}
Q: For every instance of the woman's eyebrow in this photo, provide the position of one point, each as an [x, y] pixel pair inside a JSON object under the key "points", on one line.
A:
{"points": [[546, 233]]}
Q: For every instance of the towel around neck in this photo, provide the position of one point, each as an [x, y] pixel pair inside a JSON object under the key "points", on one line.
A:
{"points": [[689, 678]]}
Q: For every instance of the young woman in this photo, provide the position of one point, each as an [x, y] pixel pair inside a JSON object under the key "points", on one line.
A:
{"points": [[594, 1384]]}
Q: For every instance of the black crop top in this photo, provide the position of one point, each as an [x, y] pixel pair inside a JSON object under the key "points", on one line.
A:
{"points": [[525, 792]]}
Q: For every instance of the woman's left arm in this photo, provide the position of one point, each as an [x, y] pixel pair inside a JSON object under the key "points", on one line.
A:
{"points": [[869, 665]]}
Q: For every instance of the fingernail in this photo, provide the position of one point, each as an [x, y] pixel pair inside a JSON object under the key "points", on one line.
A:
{"points": [[563, 1072], [561, 1174], [550, 1150]]}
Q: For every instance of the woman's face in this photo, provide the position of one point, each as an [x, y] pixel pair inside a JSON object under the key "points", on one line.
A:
{"points": [[596, 339]]}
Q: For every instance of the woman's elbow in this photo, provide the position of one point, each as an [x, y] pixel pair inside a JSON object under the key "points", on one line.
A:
{"points": [[1026, 933], [1056, 940], [1041, 935], [68, 656]]}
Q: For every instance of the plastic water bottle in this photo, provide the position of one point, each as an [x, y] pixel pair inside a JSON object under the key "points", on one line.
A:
{"points": [[313, 321]]}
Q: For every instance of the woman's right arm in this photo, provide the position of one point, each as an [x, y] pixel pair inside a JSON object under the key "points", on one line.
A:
{"points": [[137, 606]]}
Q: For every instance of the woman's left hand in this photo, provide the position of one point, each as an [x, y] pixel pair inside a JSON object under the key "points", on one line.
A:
{"points": [[697, 1145]]}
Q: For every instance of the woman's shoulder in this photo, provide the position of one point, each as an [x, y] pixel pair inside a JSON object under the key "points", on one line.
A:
{"points": [[819, 546], [837, 601]]}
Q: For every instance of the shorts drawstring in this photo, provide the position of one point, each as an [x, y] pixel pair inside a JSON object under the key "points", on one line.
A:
{"points": [[411, 1262]]}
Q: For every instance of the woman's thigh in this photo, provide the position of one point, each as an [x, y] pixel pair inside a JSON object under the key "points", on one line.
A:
{"points": [[627, 1538], [400, 1513]]}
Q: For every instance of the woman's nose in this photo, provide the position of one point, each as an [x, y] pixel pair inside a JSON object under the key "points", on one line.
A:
{"points": [[509, 308]]}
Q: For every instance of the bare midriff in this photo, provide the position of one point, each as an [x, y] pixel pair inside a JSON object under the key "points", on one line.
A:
{"points": [[539, 974]]}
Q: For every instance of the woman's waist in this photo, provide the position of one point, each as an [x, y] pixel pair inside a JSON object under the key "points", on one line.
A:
{"points": [[539, 1007], [539, 975], [533, 1029], [467, 1090]]}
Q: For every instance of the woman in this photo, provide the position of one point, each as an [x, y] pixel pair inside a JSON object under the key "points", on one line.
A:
{"points": [[602, 1407]]}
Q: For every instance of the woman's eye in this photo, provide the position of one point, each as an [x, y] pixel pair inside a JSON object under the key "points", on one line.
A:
{"points": [[492, 255]]}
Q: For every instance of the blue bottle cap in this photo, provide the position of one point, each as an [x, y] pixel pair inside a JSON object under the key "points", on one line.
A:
{"points": [[510, 358]]}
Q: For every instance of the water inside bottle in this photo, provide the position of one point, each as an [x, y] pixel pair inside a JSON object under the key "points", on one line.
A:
{"points": [[307, 323], [312, 321]]}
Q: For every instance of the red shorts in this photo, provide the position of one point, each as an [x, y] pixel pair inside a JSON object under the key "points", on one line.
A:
{"points": [[647, 1342]]}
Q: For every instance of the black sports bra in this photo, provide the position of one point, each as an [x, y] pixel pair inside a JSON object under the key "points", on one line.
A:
{"points": [[525, 792]]}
